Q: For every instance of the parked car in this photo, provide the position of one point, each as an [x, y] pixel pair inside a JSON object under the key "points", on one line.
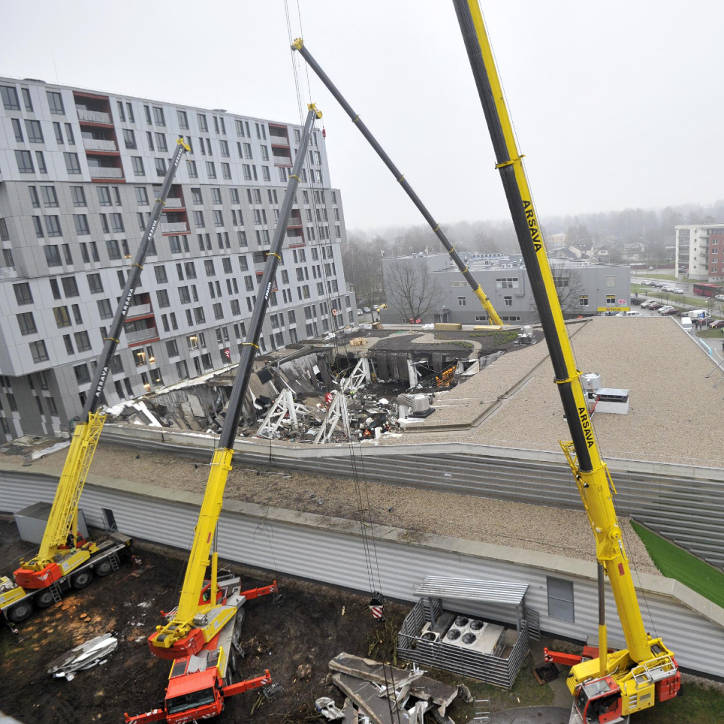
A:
{"points": [[647, 304], [719, 297], [716, 324], [677, 290], [655, 305], [636, 300], [668, 310]]}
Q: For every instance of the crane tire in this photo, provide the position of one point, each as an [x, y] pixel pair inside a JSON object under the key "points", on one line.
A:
{"points": [[81, 579], [103, 568], [44, 599], [20, 611]]}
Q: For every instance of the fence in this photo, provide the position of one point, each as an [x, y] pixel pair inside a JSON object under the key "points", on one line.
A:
{"points": [[500, 667]]}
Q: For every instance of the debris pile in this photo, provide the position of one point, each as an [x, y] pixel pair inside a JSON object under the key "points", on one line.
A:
{"points": [[85, 656], [383, 694]]}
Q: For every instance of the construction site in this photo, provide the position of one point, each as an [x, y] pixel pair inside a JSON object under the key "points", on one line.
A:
{"points": [[387, 523]]}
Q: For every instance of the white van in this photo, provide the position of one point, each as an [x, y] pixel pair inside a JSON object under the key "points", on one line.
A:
{"points": [[686, 322], [698, 314]]}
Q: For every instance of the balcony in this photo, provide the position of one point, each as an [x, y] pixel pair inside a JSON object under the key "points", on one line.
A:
{"points": [[99, 144], [105, 172], [93, 116], [138, 310], [142, 335], [173, 202], [174, 227]]}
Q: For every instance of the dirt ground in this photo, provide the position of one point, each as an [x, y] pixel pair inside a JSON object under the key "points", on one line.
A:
{"points": [[305, 625]]}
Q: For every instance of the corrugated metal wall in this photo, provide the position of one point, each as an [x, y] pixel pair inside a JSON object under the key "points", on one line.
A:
{"points": [[679, 502], [337, 557]]}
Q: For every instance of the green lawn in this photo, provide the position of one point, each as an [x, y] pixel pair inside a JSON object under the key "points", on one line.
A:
{"points": [[676, 563]]}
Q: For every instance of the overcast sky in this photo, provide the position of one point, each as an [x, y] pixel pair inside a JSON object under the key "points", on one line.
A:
{"points": [[616, 104]]}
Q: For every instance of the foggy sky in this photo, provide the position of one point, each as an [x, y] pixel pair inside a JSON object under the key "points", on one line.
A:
{"points": [[615, 104]]}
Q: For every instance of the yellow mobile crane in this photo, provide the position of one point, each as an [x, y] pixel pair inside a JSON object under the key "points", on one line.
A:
{"points": [[487, 305], [612, 685], [203, 631], [64, 560]]}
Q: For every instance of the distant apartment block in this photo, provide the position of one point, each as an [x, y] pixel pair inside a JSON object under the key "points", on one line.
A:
{"points": [[584, 288], [699, 252], [79, 173]]}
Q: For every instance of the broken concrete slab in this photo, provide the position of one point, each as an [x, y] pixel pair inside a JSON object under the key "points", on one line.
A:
{"points": [[367, 697], [421, 686]]}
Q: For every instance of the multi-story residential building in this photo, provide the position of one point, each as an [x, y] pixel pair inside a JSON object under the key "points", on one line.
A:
{"points": [[432, 283], [79, 172], [699, 252]]}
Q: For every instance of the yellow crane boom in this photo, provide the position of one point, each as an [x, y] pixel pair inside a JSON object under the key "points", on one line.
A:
{"points": [[634, 678]]}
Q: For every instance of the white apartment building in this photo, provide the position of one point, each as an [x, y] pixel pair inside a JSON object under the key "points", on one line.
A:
{"points": [[79, 171], [699, 252]]}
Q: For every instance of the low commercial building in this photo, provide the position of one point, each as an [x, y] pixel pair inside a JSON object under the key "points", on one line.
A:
{"points": [[428, 287]]}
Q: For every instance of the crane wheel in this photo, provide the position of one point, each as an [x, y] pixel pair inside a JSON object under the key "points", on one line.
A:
{"points": [[44, 599], [103, 568], [81, 579], [20, 611]]}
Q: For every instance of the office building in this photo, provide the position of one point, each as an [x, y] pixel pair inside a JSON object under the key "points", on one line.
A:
{"points": [[430, 287], [79, 173]]}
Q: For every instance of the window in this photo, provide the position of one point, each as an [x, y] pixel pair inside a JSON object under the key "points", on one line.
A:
{"points": [[583, 300], [129, 138], [137, 163], [62, 317], [94, 283], [160, 166], [508, 301], [26, 322], [34, 198], [9, 97], [191, 168], [507, 283], [461, 300], [610, 299], [52, 226], [224, 148], [199, 315], [55, 101], [183, 119], [38, 351], [161, 276], [198, 218], [25, 162], [117, 223], [113, 249], [82, 341], [72, 166], [69, 134], [190, 270], [218, 217], [78, 195], [55, 289], [226, 264], [211, 169], [161, 142], [209, 267], [58, 129], [52, 255], [560, 599], [40, 159], [70, 286], [34, 131], [203, 125], [17, 130], [162, 295]]}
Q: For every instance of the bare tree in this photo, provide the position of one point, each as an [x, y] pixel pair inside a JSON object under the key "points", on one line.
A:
{"points": [[411, 289], [570, 288]]}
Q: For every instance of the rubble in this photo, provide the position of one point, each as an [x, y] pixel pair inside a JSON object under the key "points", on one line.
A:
{"points": [[85, 656], [387, 694]]}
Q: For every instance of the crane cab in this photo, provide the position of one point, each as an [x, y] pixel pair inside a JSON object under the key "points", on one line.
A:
{"points": [[599, 701]]}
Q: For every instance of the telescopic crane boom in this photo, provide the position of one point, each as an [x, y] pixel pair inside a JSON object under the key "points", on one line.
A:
{"points": [[487, 305], [634, 678], [203, 631], [63, 558]]}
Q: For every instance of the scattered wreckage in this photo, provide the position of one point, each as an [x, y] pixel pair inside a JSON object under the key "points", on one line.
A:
{"points": [[382, 694], [85, 656]]}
